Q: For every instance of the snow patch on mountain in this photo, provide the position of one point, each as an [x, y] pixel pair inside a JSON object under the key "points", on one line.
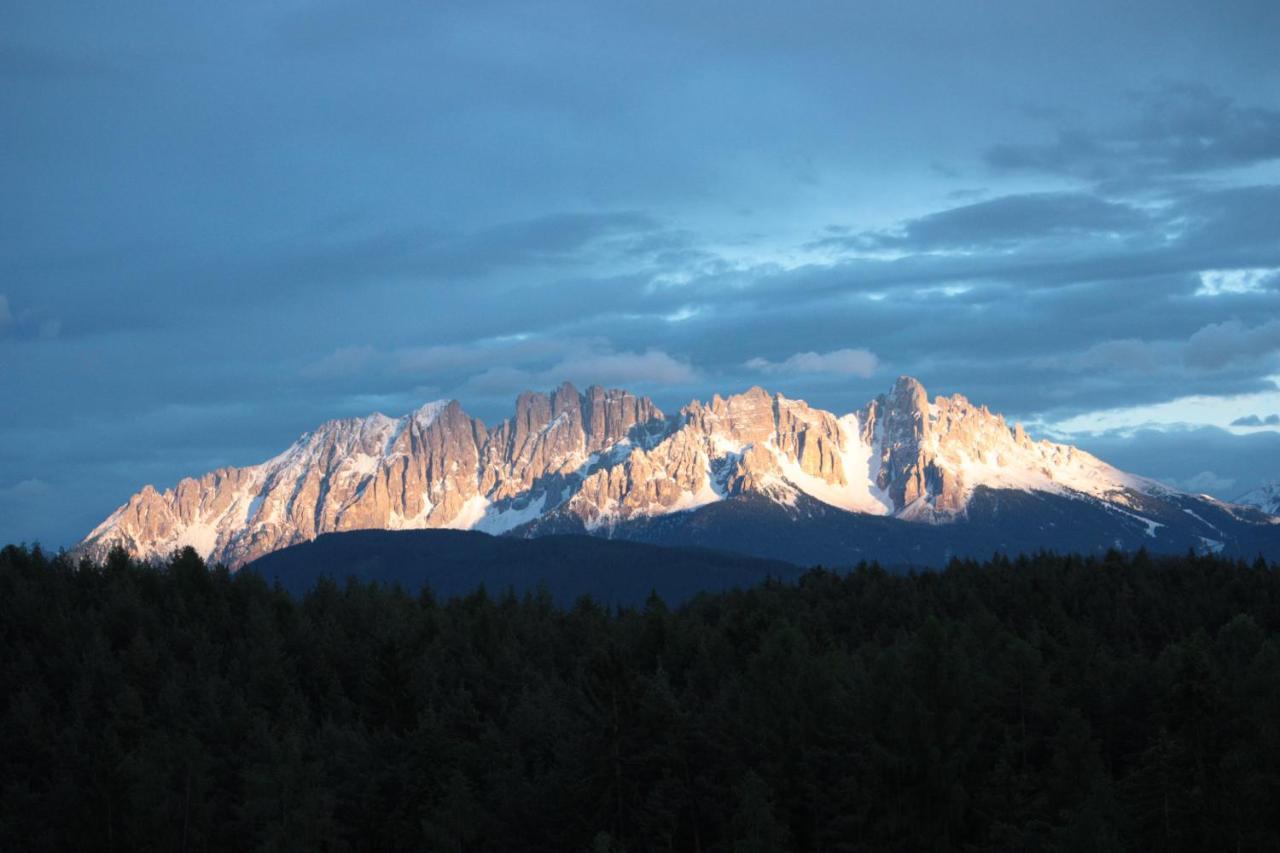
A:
{"points": [[495, 521], [472, 513], [858, 493]]}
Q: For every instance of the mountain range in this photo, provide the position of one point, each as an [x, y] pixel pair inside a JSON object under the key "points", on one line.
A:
{"points": [[902, 479]]}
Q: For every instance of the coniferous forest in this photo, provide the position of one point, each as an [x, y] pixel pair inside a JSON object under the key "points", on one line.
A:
{"points": [[1047, 703]]}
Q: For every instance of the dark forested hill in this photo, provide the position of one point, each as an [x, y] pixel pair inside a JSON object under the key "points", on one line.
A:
{"points": [[455, 562], [1049, 703]]}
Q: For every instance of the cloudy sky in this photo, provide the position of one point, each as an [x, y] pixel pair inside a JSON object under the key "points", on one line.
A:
{"points": [[222, 223]]}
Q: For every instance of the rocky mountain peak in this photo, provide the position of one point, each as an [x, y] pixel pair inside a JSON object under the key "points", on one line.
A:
{"points": [[898, 424], [609, 416], [908, 394]]}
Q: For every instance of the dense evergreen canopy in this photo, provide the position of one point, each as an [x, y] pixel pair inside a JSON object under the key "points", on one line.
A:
{"points": [[1048, 703]]}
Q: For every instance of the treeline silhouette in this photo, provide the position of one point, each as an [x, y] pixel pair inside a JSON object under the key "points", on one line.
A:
{"points": [[1046, 703]]}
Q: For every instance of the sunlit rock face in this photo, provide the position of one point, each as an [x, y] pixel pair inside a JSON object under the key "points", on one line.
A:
{"points": [[903, 424], [811, 437], [600, 458]]}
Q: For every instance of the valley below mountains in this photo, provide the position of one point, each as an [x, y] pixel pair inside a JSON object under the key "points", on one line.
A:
{"points": [[902, 480]]}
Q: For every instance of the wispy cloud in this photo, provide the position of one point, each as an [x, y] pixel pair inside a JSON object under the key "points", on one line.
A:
{"points": [[1220, 344], [509, 364], [841, 362], [1220, 282], [342, 362]]}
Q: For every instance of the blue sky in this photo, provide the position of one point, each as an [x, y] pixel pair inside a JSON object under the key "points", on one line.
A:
{"points": [[224, 223]]}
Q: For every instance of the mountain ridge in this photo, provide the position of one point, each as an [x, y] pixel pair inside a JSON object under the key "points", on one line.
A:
{"points": [[610, 463]]}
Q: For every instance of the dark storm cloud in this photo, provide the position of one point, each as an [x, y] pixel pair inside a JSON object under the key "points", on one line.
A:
{"points": [[560, 238], [1005, 220], [155, 288], [1179, 129], [1220, 344], [1257, 421], [225, 223]]}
